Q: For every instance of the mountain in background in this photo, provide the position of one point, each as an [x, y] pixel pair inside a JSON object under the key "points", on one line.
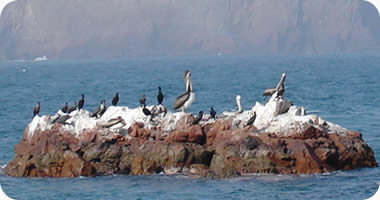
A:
{"points": [[70, 29]]}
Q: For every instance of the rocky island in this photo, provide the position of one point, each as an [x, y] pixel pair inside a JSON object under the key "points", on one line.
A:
{"points": [[283, 139]]}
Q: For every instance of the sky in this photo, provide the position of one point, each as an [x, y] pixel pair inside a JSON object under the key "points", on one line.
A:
{"points": [[3, 3]]}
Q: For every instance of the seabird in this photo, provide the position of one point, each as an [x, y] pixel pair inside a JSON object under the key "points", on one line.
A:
{"points": [[155, 110], [97, 110], [280, 87], [146, 111], [142, 100], [113, 122], [185, 100], [240, 109], [198, 118], [115, 99], [212, 113], [73, 107], [281, 90], [36, 109], [81, 102], [252, 119], [61, 119], [65, 108], [160, 96], [158, 109], [103, 108]]}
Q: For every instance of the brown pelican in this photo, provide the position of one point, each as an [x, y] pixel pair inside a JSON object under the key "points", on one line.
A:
{"points": [[61, 119], [115, 99], [240, 109], [212, 113], [198, 118], [113, 122], [185, 100], [36, 109], [73, 107], [81, 102], [160, 96], [65, 108], [280, 87], [252, 119]]}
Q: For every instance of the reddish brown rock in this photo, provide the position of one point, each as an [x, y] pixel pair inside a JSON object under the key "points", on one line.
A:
{"points": [[213, 129], [190, 134], [215, 150], [143, 166]]}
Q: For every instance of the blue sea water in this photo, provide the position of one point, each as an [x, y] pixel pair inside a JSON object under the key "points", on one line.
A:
{"points": [[342, 89]]}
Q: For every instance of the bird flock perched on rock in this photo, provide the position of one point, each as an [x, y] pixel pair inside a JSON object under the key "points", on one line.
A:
{"points": [[182, 103]]}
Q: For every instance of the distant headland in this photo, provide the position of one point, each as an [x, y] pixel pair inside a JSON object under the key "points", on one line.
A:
{"points": [[129, 28]]}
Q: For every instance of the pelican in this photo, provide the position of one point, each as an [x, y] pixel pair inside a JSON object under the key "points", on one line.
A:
{"points": [[185, 100], [113, 122], [61, 119], [240, 109], [36, 109], [280, 87]]}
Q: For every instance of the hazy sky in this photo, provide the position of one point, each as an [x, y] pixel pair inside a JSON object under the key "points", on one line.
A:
{"points": [[213, 26], [3, 3]]}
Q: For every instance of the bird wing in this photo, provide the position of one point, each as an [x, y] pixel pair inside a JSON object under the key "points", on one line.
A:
{"points": [[269, 91], [180, 100], [62, 119]]}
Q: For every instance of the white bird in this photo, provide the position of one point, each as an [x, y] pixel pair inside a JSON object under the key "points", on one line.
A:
{"points": [[240, 109]]}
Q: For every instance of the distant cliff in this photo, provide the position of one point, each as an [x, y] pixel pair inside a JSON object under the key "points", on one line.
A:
{"points": [[119, 28]]}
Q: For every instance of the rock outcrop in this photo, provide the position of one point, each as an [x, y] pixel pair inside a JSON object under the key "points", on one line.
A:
{"points": [[124, 28], [285, 142]]}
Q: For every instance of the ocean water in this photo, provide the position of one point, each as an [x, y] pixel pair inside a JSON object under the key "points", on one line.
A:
{"points": [[341, 89]]}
